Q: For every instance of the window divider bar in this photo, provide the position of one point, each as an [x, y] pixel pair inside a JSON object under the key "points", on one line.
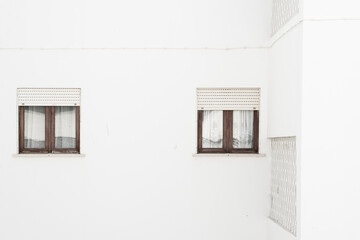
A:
{"points": [[47, 129], [227, 121], [52, 132]]}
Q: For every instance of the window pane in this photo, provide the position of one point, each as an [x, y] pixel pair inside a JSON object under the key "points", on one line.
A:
{"points": [[212, 129], [243, 121], [34, 127], [65, 127]]}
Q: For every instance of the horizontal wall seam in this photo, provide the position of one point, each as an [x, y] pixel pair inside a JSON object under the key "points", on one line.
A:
{"points": [[136, 49], [330, 19], [185, 49]]}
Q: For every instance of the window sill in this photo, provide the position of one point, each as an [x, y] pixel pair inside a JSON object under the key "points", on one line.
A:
{"points": [[229, 155], [48, 155]]}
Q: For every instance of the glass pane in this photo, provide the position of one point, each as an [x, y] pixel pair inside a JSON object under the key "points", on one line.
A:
{"points": [[34, 127], [65, 127], [243, 121], [212, 129]]}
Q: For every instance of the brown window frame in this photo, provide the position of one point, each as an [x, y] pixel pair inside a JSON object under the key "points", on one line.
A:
{"points": [[49, 133], [228, 135]]}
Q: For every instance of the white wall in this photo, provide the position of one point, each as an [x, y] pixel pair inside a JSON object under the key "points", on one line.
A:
{"points": [[330, 189], [139, 179], [138, 131], [333, 9], [285, 98], [285, 85], [330, 196], [133, 23], [284, 101]]}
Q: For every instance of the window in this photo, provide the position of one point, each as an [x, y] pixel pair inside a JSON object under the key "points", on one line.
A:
{"points": [[228, 120], [49, 120]]}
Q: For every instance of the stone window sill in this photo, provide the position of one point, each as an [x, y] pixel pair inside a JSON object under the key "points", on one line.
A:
{"points": [[228, 155], [65, 155]]}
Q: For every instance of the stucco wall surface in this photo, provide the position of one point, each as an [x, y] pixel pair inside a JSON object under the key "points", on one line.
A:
{"points": [[138, 179], [330, 192]]}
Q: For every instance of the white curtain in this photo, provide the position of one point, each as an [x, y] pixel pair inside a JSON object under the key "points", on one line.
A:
{"points": [[34, 127], [243, 129], [65, 127], [212, 129]]}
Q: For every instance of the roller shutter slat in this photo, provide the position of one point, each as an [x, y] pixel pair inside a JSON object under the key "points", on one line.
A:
{"points": [[49, 96], [228, 98]]}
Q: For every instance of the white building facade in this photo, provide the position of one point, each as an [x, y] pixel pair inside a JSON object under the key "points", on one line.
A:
{"points": [[138, 65]]}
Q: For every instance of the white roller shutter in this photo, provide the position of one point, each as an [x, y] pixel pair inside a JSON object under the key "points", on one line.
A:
{"points": [[48, 96], [228, 98]]}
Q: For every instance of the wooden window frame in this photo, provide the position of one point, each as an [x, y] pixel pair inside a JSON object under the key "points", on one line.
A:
{"points": [[49, 133], [228, 135]]}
